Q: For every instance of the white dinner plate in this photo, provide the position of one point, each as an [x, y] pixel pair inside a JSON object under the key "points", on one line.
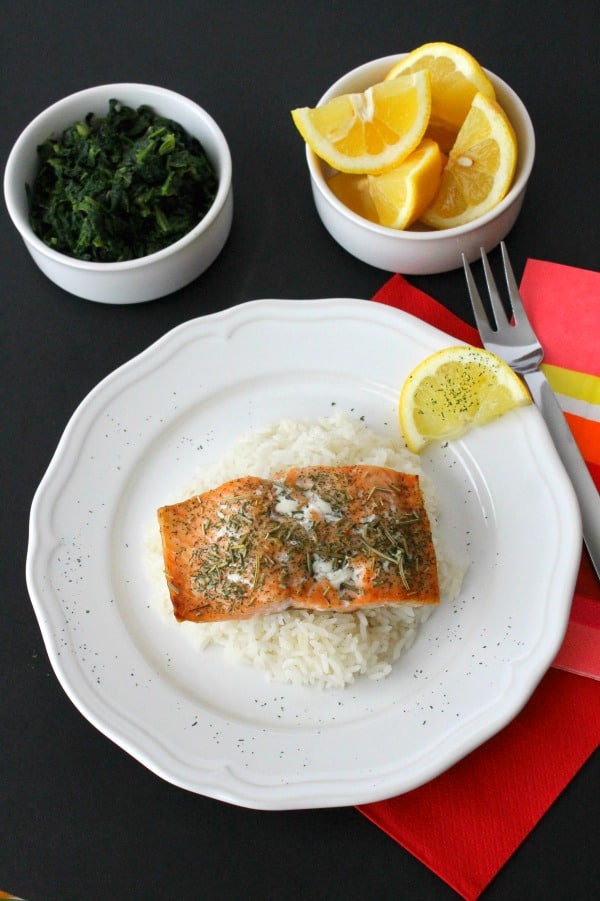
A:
{"points": [[219, 728]]}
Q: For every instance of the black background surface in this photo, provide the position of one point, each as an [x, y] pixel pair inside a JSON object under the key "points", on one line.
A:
{"points": [[79, 818]]}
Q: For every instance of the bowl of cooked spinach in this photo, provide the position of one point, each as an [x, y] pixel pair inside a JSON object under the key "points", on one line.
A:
{"points": [[122, 193]]}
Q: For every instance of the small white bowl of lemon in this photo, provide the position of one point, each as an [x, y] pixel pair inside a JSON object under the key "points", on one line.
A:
{"points": [[417, 158]]}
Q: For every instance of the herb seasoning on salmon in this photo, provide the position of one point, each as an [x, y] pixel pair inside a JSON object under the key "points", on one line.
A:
{"points": [[319, 538]]}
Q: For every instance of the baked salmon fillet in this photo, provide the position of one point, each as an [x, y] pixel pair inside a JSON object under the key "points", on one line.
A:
{"points": [[319, 538]]}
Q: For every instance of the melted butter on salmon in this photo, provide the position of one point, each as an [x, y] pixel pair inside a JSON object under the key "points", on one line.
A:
{"points": [[322, 538]]}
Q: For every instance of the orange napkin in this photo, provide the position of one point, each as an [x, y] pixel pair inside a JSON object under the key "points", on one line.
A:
{"points": [[495, 796]]}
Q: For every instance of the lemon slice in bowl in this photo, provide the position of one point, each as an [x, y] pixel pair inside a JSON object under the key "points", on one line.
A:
{"points": [[456, 77], [454, 389], [371, 131], [480, 167], [398, 197]]}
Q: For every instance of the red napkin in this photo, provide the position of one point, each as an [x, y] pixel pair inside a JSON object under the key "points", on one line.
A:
{"points": [[495, 796]]}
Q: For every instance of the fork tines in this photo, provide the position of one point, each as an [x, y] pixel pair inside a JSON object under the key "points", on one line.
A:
{"points": [[486, 328]]}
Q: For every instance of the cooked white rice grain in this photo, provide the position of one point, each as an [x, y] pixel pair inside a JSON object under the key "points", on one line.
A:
{"points": [[304, 647]]}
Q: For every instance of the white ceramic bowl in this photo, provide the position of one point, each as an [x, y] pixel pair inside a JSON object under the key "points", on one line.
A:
{"points": [[145, 278], [421, 252]]}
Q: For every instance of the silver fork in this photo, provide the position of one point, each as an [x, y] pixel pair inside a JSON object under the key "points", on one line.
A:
{"points": [[517, 344]]}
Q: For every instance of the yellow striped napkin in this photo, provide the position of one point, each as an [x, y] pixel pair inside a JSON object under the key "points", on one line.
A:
{"points": [[563, 304]]}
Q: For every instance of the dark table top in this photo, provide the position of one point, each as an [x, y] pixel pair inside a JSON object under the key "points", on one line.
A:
{"points": [[81, 819]]}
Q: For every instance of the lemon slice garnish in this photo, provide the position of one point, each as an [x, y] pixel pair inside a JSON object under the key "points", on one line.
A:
{"points": [[454, 389]]}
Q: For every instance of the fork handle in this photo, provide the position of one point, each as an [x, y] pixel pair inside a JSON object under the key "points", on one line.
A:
{"points": [[575, 465]]}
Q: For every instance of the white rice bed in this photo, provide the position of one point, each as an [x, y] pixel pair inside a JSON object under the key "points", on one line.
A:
{"points": [[303, 647]]}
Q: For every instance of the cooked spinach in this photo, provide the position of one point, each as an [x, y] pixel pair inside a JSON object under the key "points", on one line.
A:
{"points": [[117, 187]]}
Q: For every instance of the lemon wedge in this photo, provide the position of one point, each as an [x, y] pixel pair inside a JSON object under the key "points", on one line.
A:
{"points": [[480, 167], [398, 197], [456, 77], [372, 131]]}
